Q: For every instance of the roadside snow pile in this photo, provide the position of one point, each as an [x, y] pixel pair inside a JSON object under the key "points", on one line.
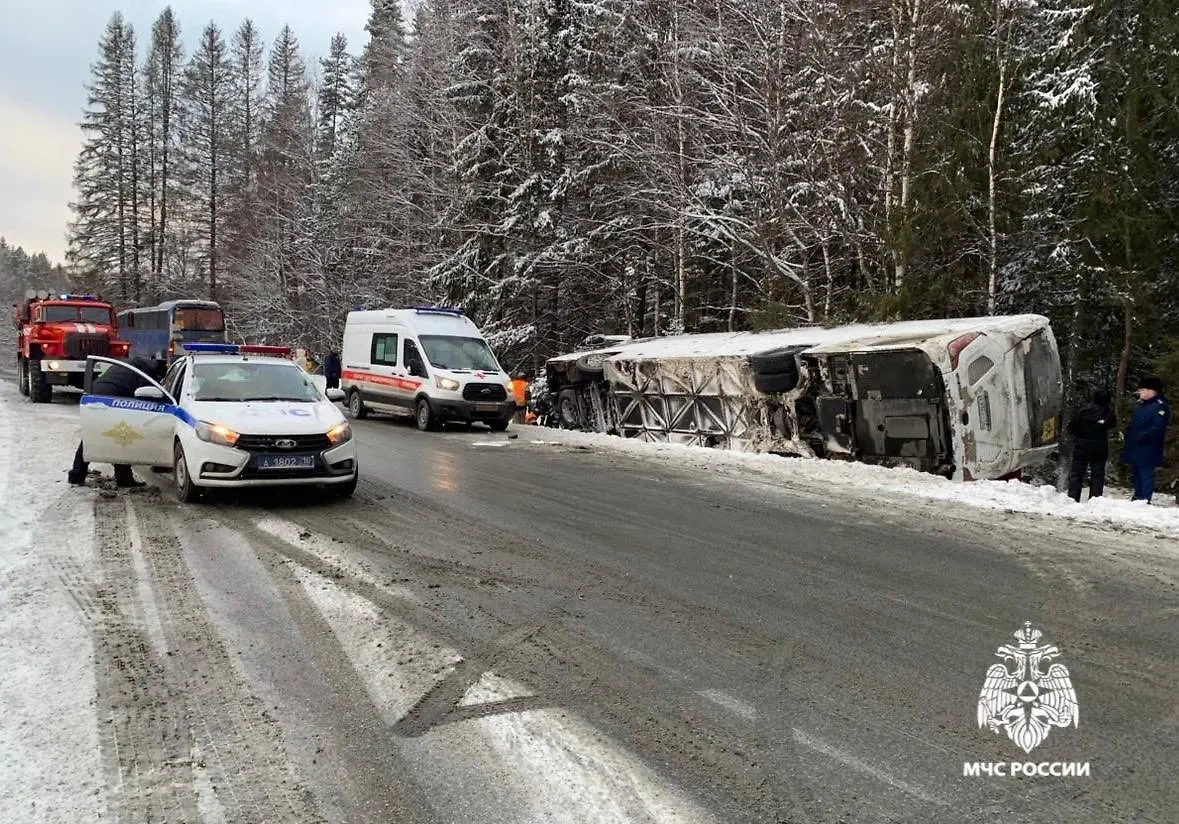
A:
{"points": [[1011, 496], [50, 766]]}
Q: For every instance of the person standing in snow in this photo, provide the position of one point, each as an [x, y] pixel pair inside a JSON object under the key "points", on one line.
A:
{"points": [[331, 370], [1090, 428], [1143, 449]]}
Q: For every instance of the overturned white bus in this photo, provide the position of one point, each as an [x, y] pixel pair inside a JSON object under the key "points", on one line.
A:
{"points": [[969, 398]]}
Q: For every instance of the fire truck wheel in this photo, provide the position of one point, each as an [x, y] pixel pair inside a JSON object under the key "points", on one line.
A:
{"points": [[22, 376], [39, 389]]}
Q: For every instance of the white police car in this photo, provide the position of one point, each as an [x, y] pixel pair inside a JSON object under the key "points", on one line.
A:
{"points": [[225, 416]]}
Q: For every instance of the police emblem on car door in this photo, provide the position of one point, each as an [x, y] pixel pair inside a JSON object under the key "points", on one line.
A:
{"points": [[119, 430]]}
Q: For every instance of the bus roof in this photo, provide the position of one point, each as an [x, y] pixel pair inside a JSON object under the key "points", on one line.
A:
{"points": [[176, 304], [853, 337]]}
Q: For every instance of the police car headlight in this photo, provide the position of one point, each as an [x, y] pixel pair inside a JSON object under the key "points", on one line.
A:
{"points": [[449, 384], [341, 433], [216, 433]]}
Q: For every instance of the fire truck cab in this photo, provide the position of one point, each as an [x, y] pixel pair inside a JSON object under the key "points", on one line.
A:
{"points": [[55, 335]]}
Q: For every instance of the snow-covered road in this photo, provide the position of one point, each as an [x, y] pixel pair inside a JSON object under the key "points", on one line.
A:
{"points": [[136, 689], [559, 628]]}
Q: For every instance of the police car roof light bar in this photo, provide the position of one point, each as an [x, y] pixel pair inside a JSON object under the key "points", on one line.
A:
{"points": [[438, 310], [259, 349], [210, 348]]}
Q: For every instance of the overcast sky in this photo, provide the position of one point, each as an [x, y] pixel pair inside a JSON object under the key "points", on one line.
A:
{"points": [[46, 50]]}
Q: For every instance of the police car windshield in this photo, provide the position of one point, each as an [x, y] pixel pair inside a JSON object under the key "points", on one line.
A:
{"points": [[245, 381], [453, 352]]}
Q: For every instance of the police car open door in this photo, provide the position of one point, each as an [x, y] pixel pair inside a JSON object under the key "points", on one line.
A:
{"points": [[118, 430]]}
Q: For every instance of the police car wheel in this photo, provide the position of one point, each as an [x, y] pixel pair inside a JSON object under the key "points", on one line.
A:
{"points": [[186, 491], [346, 489]]}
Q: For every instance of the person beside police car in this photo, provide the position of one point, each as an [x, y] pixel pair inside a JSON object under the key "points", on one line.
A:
{"points": [[115, 382]]}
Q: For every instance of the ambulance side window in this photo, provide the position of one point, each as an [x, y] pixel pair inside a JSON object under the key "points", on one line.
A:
{"points": [[413, 360], [384, 350]]}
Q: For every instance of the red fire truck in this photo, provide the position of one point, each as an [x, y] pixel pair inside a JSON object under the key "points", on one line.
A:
{"points": [[55, 335]]}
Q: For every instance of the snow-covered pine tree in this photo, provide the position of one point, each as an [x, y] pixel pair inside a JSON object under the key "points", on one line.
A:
{"points": [[101, 234], [161, 86], [274, 300], [241, 162], [206, 134]]}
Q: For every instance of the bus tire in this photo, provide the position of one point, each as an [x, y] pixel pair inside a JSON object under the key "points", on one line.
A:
{"points": [[773, 382]]}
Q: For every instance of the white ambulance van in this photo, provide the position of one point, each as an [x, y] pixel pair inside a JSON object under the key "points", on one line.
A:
{"points": [[428, 362]]}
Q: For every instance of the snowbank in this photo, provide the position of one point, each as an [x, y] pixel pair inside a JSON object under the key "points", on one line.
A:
{"points": [[1114, 510], [50, 767]]}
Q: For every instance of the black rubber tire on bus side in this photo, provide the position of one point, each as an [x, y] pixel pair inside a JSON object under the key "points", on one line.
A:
{"points": [[567, 409], [771, 382], [775, 362], [40, 390], [356, 408]]}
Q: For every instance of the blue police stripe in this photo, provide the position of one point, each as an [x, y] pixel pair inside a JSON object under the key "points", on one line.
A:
{"points": [[138, 405]]}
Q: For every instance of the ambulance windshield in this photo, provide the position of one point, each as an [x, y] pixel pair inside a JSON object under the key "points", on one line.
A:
{"points": [[458, 353]]}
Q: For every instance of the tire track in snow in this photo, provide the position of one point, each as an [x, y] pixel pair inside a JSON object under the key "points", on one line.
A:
{"points": [[182, 739]]}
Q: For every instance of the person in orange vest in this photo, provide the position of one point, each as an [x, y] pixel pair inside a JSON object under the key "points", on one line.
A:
{"points": [[520, 394]]}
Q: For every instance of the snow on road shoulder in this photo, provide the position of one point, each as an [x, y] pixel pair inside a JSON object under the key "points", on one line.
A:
{"points": [[1112, 511], [50, 765]]}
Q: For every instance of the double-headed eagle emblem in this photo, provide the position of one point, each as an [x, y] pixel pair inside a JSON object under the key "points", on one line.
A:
{"points": [[1023, 700]]}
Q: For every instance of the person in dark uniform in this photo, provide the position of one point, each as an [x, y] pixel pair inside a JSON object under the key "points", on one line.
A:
{"points": [[331, 370], [1146, 436], [1090, 428], [114, 382]]}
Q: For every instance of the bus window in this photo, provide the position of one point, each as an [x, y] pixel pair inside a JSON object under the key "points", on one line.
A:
{"points": [[199, 320]]}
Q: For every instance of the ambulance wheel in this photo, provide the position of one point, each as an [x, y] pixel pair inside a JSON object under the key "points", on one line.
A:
{"points": [[22, 372], [356, 406], [40, 390], [186, 491], [425, 416]]}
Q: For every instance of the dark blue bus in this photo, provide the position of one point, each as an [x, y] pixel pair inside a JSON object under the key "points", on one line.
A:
{"points": [[157, 332]]}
